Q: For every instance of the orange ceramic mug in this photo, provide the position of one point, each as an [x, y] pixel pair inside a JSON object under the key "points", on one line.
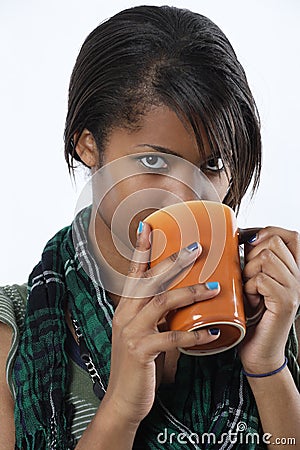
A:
{"points": [[214, 226]]}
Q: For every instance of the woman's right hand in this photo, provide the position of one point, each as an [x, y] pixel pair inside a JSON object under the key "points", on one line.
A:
{"points": [[137, 342]]}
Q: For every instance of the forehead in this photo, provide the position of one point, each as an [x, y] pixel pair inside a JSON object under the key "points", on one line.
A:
{"points": [[159, 127]]}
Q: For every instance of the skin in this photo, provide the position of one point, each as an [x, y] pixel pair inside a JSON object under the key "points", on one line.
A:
{"points": [[145, 352], [6, 403], [271, 270], [161, 127]]}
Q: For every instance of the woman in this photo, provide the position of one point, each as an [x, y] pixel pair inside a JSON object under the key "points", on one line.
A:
{"points": [[153, 88]]}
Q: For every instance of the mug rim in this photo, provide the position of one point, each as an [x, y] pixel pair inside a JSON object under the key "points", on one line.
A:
{"points": [[216, 350], [188, 202]]}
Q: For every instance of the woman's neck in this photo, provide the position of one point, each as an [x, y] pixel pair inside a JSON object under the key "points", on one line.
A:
{"points": [[113, 265]]}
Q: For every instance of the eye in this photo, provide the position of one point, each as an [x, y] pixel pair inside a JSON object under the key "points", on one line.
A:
{"points": [[213, 165], [153, 162]]}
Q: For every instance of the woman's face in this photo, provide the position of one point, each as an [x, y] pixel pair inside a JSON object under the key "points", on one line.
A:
{"points": [[150, 167]]}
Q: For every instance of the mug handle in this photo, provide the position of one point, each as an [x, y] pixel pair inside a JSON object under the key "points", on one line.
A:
{"points": [[244, 234]]}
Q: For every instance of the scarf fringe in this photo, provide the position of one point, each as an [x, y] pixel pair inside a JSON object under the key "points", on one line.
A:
{"points": [[37, 441]]}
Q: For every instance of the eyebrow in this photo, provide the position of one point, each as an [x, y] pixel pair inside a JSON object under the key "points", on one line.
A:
{"points": [[168, 151], [158, 148]]}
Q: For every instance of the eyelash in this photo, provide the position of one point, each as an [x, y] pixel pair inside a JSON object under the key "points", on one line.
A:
{"points": [[217, 168], [218, 163], [155, 158]]}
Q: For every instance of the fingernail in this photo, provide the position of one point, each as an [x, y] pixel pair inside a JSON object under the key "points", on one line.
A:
{"points": [[252, 239], [140, 228], [214, 331], [212, 285], [192, 247]]}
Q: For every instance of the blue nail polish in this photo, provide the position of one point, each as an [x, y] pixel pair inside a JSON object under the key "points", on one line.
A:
{"points": [[212, 285], [214, 331], [140, 227], [192, 247], [252, 239]]}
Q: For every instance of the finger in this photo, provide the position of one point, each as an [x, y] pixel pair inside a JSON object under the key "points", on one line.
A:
{"points": [[277, 298], [290, 238], [138, 291], [141, 254], [166, 301], [140, 260], [170, 340], [137, 267], [269, 263], [245, 234], [277, 246], [159, 278], [252, 301], [266, 286]]}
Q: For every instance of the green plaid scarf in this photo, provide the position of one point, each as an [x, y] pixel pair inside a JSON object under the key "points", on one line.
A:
{"points": [[209, 399]]}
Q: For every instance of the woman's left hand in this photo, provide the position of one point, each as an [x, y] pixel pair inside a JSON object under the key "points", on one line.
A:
{"points": [[271, 272]]}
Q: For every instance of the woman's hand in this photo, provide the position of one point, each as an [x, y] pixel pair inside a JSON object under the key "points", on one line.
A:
{"points": [[137, 343], [272, 272]]}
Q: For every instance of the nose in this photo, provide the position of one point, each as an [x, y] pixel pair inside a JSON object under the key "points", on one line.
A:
{"points": [[176, 192], [189, 187]]}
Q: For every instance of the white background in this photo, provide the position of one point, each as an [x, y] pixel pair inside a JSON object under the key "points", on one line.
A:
{"points": [[39, 41]]}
